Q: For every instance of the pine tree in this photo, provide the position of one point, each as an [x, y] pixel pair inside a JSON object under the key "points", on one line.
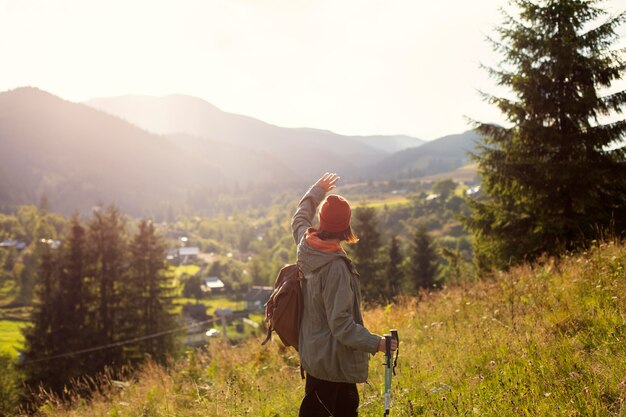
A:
{"points": [[108, 261], [151, 292], [553, 182], [60, 316], [92, 295], [367, 255], [39, 341], [393, 273], [423, 266]]}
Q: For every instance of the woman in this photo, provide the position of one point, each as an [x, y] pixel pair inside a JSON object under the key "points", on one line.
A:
{"points": [[334, 346]]}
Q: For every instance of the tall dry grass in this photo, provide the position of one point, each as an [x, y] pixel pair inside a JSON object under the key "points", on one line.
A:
{"points": [[543, 340]]}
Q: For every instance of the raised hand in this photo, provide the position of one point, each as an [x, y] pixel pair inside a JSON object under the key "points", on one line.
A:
{"points": [[328, 181]]}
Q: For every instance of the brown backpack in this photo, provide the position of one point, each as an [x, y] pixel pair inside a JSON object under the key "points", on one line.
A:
{"points": [[283, 310]]}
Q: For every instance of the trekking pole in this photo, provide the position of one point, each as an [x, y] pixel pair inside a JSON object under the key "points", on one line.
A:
{"points": [[390, 367]]}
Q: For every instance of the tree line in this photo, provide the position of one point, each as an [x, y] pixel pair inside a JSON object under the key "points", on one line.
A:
{"points": [[103, 287], [386, 272]]}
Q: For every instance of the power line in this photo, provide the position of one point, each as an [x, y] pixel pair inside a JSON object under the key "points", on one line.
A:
{"points": [[121, 343]]}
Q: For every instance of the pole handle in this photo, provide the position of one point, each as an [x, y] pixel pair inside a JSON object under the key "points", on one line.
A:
{"points": [[387, 350], [394, 334]]}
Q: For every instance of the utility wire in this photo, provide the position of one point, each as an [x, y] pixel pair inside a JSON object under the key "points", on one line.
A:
{"points": [[120, 343]]}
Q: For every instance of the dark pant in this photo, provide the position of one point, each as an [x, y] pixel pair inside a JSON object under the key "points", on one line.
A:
{"points": [[326, 398]]}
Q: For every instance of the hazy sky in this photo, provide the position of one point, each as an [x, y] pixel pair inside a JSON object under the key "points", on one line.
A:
{"points": [[351, 66]]}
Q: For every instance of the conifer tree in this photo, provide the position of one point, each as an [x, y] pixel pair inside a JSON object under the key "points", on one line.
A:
{"points": [[10, 384], [92, 299], [423, 266], [367, 255], [393, 273], [60, 316], [108, 261], [555, 178], [151, 293], [39, 340]]}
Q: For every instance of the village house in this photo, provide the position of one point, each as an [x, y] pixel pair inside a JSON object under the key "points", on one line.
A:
{"points": [[212, 285], [182, 255]]}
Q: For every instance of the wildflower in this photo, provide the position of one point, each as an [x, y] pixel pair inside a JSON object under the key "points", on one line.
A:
{"points": [[492, 363], [623, 384]]}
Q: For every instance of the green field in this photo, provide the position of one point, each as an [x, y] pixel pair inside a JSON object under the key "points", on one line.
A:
{"points": [[212, 303], [390, 202], [10, 336], [178, 271]]}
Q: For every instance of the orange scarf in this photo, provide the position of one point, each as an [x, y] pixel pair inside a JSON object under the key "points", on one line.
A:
{"points": [[313, 240]]}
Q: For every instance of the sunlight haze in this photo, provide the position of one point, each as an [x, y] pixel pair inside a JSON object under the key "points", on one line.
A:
{"points": [[358, 67]]}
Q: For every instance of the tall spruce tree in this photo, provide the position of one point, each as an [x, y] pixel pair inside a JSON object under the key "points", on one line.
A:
{"points": [[39, 337], [393, 272], [108, 257], [150, 291], [367, 255], [94, 278], [555, 179], [60, 316], [423, 266]]}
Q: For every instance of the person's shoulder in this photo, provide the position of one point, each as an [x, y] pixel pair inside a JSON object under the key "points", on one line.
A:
{"points": [[344, 264]]}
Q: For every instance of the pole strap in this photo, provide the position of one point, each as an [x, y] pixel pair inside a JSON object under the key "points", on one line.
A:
{"points": [[394, 334]]}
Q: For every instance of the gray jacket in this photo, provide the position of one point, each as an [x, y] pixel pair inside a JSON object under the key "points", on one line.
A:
{"points": [[334, 344]]}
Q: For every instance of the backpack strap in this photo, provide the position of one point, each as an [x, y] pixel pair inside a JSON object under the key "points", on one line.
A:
{"points": [[268, 337], [350, 265]]}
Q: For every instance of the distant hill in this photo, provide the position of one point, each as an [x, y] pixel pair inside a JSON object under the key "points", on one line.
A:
{"points": [[391, 144], [467, 174], [440, 155], [291, 147], [236, 163], [79, 156]]}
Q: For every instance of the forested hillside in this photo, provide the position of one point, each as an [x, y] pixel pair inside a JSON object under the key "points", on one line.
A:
{"points": [[80, 157], [445, 154], [193, 116]]}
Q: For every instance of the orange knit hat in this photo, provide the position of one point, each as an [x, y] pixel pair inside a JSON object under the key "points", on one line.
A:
{"points": [[335, 214]]}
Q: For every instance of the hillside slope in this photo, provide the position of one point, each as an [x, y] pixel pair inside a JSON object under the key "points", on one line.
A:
{"points": [[79, 157], [539, 341], [440, 155], [193, 116]]}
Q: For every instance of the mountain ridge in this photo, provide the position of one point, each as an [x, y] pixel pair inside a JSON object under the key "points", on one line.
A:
{"points": [[443, 154], [81, 151], [163, 115], [79, 156]]}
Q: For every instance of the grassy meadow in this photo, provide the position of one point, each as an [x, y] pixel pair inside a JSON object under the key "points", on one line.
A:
{"points": [[381, 203], [212, 303], [545, 340], [11, 338]]}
